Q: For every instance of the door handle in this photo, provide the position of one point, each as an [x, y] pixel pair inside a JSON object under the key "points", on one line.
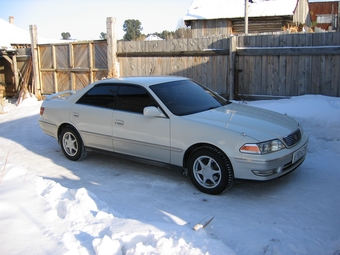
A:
{"points": [[119, 122]]}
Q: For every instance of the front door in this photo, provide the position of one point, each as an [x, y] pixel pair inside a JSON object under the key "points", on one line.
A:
{"points": [[135, 134]]}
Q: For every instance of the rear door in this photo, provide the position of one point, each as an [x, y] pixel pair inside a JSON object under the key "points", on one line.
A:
{"points": [[92, 116]]}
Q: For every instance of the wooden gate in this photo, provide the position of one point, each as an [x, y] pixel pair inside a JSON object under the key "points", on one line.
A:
{"points": [[71, 66]]}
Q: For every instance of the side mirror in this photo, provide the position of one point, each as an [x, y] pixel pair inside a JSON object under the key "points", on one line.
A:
{"points": [[152, 111]]}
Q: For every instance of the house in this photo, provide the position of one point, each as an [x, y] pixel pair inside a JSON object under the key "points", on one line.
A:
{"points": [[325, 16], [226, 17], [15, 57], [12, 40], [153, 38]]}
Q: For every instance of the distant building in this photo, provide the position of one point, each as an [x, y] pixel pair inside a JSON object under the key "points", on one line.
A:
{"points": [[226, 17], [152, 38], [325, 16]]}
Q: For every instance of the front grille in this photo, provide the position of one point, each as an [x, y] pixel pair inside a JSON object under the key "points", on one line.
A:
{"points": [[293, 138]]}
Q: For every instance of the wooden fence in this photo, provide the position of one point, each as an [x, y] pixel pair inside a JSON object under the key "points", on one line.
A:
{"points": [[273, 65], [289, 65], [71, 65]]}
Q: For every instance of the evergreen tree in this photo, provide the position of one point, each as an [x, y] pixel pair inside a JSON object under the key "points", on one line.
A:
{"points": [[103, 36], [65, 35], [132, 29]]}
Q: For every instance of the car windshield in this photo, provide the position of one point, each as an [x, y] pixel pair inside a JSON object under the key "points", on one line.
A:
{"points": [[187, 97]]}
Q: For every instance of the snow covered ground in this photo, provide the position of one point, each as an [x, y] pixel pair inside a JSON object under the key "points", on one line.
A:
{"points": [[107, 205]]}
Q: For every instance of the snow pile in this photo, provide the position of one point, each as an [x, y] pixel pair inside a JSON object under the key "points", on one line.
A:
{"points": [[75, 221]]}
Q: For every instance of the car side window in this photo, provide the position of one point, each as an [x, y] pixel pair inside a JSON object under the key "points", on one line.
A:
{"points": [[133, 99], [102, 95]]}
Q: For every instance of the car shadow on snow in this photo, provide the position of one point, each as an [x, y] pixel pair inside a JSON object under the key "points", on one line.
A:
{"points": [[101, 169]]}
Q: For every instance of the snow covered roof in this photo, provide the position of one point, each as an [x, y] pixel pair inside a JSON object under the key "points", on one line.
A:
{"points": [[221, 9], [11, 34], [152, 38]]}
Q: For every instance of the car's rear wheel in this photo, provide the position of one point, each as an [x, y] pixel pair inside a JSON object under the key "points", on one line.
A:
{"points": [[210, 170], [71, 144]]}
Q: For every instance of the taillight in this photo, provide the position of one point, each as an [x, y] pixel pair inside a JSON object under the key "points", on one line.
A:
{"points": [[42, 110]]}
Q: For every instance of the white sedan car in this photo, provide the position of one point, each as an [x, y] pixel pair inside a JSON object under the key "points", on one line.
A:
{"points": [[175, 121]]}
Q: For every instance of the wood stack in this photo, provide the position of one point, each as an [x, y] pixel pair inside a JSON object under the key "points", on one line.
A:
{"points": [[2, 89], [23, 89]]}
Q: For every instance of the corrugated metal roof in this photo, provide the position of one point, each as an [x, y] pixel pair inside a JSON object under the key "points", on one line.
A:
{"points": [[221, 9]]}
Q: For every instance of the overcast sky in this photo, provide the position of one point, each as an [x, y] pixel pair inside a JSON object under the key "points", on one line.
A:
{"points": [[86, 19]]}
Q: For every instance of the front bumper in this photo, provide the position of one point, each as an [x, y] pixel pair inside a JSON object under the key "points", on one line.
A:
{"points": [[270, 166]]}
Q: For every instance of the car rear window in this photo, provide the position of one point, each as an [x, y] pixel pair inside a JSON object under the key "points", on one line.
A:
{"points": [[101, 95]]}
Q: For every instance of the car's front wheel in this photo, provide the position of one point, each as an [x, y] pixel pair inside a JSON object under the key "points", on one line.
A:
{"points": [[71, 144], [210, 170]]}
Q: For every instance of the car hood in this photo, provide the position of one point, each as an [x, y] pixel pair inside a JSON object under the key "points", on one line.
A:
{"points": [[257, 123]]}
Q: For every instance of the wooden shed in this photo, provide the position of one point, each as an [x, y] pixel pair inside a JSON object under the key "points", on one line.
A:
{"points": [[15, 58], [226, 17], [325, 16], [16, 68]]}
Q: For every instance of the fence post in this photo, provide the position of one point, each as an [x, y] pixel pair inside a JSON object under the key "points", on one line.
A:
{"points": [[112, 62], [34, 49], [232, 65]]}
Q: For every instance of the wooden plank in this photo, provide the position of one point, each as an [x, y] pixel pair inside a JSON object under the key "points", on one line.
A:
{"points": [[47, 80], [301, 85], [35, 61], [276, 76], [301, 72], [175, 53], [15, 71], [224, 66], [252, 68], [239, 80], [63, 81], [111, 47], [232, 64], [336, 73], [308, 65], [205, 72], [327, 84], [213, 78], [289, 51], [330, 68], [71, 65], [295, 75], [264, 70], [54, 59], [282, 75]]}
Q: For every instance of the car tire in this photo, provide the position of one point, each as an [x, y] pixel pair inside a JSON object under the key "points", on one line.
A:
{"points": [[210, 170], [72, 144]]}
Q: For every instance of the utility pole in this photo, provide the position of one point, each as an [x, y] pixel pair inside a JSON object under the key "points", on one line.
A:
{"points": [[246, 17]]}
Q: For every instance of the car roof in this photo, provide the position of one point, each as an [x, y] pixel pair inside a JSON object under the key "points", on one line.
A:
{"points": [[143, 80]]}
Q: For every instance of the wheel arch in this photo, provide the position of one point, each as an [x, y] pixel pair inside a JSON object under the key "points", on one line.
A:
{"points": [[193, 148], [64, 125], [225, 168]]}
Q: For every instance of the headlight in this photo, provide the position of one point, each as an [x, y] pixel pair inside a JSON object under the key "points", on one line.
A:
{"points": [[262, 148]]}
